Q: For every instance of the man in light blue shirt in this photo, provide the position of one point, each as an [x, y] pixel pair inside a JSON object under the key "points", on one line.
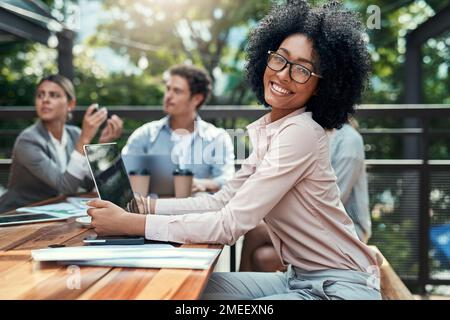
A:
{"points": [[192, 143]]}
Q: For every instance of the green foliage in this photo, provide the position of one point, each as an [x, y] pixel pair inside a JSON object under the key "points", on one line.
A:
{"points": [[117, 89], [395, 219], [436, 57], [212, 33], [202, 32], [21, 66]]}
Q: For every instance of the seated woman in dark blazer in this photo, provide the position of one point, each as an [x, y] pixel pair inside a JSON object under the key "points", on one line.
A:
{"points": [[48, 157]]}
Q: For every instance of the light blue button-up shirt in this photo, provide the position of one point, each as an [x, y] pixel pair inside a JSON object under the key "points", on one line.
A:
{"points": [[211, 149], [347, 160]]}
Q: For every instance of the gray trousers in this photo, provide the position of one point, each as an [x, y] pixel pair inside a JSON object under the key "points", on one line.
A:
{"points": [[294, 284]]}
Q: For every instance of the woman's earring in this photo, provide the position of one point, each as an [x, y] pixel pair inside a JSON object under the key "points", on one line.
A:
{"points": [[69, 116]]}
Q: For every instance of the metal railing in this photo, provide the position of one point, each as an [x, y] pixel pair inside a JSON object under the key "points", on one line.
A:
{"points": [[397, 171]]}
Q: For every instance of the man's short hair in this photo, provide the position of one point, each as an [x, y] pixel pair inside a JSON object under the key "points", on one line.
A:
{"points": [[197, 78]]}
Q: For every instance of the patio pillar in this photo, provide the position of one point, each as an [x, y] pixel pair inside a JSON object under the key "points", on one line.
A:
{"points": [[65, 54]]}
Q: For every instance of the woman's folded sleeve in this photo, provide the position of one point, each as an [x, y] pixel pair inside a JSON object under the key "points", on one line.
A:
{"points": [[207, 203]]}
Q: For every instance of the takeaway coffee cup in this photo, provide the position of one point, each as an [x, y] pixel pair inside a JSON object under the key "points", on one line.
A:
{"points": [[140, 182], [182, 179]]}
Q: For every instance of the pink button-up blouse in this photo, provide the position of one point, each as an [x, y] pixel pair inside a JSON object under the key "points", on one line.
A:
{"points": [[288, 182]]}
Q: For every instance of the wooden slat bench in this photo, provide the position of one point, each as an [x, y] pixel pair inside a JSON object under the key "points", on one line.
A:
{"points": [[392, 287]]}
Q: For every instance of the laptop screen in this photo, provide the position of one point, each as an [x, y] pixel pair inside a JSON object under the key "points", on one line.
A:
{"points": [[159, 166], [108, 172]]}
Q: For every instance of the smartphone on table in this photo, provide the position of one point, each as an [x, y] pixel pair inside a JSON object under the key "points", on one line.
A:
{"points": [[113, 240]]}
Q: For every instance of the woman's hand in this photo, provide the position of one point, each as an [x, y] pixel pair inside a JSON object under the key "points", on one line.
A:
{"points": [[91, 122], [112, 131], [111, 220]]}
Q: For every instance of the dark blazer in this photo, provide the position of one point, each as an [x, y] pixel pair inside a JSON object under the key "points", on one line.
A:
{"points": [[36, 171]]}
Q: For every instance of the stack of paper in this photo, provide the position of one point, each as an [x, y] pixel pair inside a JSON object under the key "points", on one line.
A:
{"points": [[62, 209], [79, 202], [137, 256]]}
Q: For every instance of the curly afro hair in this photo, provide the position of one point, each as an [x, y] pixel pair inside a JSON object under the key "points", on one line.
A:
{"points": [[338, 44]]}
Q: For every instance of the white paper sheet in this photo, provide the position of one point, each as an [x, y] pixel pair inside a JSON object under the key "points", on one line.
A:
{"points": [[137, 256], [79, 202], [169, 263], [61, 209]]}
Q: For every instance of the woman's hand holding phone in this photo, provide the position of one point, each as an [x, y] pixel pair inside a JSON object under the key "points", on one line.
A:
{"points": [[112, 131], [93, 118], [109, 219]]}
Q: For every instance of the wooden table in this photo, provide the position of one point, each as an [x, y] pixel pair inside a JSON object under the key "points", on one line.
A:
{"points": [[23, 278]]}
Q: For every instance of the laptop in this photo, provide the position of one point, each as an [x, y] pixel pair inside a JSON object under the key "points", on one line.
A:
{"points": [[160, 167], [108, 173], [15, 219]]}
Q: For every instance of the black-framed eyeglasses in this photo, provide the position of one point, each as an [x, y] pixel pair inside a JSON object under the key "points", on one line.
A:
{"points": [[297, 72]]}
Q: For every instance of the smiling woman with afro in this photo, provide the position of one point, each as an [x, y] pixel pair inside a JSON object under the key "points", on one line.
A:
{"points": [[339, 47], [309, 65]]}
